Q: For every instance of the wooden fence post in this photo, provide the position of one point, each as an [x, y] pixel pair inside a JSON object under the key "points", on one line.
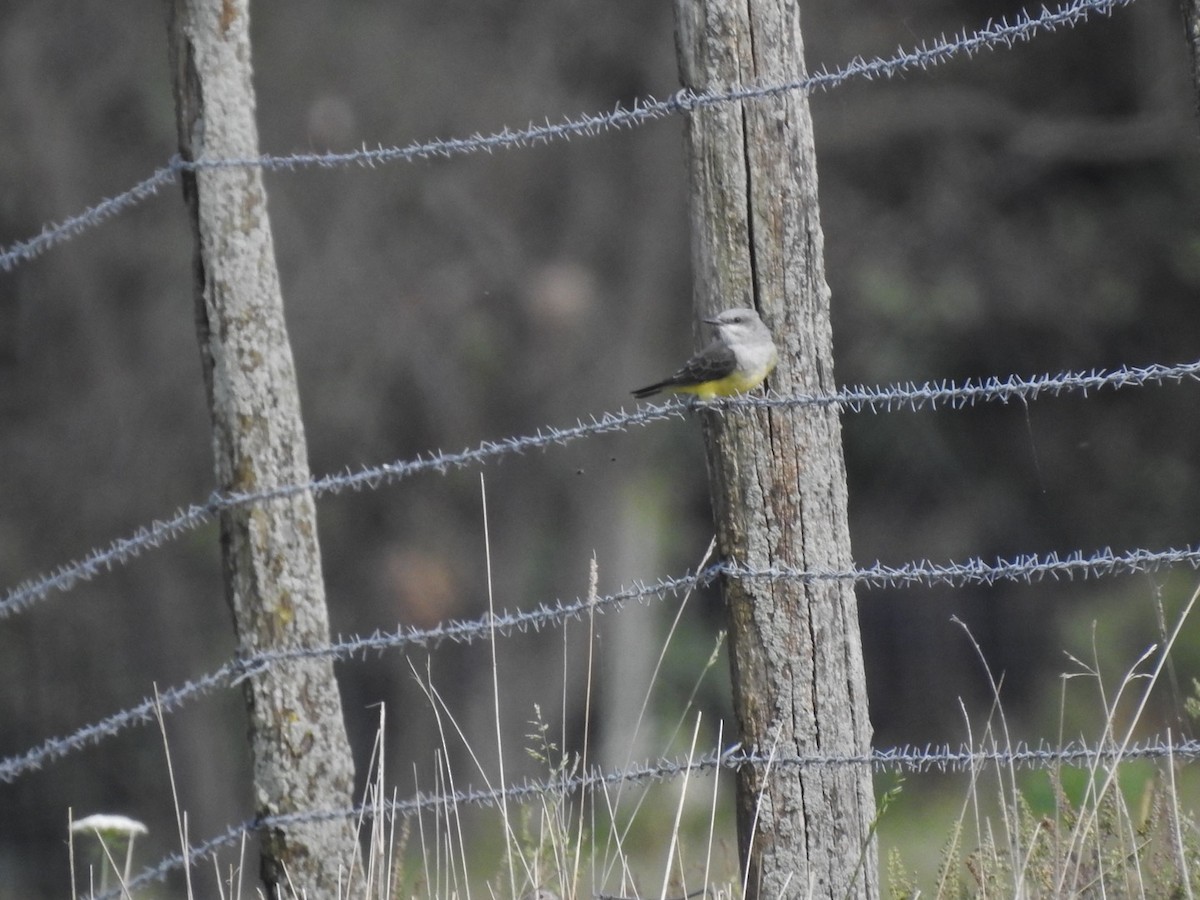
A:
{"points": [[272, 562], [778, 477]]}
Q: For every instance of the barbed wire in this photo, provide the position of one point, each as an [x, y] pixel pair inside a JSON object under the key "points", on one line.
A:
{"points": [[124, 549], [235, 671], [955, 395], [1028, 569], [908, 759], [1031, 568], [878, 399], [996, 33]]}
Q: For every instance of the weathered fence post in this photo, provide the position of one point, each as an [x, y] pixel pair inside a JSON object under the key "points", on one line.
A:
{"points": [[778, 477], [272, 560]]}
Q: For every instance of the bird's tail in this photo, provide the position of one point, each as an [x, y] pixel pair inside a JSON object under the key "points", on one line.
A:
{"points": [[649, 390]]}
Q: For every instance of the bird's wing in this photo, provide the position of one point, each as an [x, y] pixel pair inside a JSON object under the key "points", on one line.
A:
{"points": [[713, 362]]}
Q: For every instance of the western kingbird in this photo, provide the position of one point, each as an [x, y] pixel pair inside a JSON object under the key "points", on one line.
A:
{"points": [[740, 358]]}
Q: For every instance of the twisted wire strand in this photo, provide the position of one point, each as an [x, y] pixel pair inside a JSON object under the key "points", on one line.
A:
{"points": [[1027, 569], [858, 399], [942, 759], [997, 33]]}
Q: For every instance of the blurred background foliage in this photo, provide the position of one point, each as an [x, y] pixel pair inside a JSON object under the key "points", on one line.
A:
{"points": [[1026, 211]]}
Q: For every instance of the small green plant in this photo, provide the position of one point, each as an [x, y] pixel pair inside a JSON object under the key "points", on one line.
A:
{"points": [[551, 837], [1191, 703], [902, 882]]}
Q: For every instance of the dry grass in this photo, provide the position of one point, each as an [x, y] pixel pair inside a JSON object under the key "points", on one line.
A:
{"points": [[1099, 840], [665, 840]]}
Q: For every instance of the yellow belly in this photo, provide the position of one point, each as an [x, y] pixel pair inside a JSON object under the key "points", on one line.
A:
{"points": [[737, 383]]}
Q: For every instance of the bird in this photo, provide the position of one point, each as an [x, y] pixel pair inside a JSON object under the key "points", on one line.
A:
{"points": [[738, 360]]}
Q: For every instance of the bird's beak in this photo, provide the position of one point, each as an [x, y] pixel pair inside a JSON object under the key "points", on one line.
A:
{"points": [[712, 321]]}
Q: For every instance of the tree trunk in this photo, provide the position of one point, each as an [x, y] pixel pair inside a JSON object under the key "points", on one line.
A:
{"points": [[272, 560], [778, 477], [1191, 26]]}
